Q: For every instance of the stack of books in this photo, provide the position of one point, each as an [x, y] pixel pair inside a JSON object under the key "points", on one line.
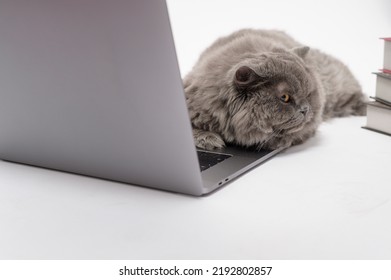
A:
{"points": [[379, 111]]}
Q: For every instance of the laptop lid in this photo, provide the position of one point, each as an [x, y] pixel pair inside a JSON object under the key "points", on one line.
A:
{"points": [[93, 87]]}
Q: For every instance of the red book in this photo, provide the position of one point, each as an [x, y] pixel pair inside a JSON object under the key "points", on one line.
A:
{"points": [[387, 56]]}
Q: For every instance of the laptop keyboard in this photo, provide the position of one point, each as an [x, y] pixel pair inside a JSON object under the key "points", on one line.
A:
{"points": [[208, 159]]}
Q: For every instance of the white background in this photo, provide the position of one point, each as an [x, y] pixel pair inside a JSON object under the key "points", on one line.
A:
{"points": [[329, 198]]}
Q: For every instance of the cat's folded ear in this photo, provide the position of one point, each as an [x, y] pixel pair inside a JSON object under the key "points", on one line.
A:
{"points": [[244, 76], [301, 51]]}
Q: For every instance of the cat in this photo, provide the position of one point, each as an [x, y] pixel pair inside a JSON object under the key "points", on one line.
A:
{"points": [[263, 89]]}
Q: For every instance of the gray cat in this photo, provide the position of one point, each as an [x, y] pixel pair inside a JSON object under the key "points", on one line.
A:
{"points": [[261, 88]]}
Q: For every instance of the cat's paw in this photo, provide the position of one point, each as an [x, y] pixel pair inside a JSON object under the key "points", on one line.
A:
{"points": [[207, 140]]}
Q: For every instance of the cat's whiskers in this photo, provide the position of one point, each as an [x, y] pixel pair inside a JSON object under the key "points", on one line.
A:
{"points": [[272, 135], [276, 133], [295, 120]]}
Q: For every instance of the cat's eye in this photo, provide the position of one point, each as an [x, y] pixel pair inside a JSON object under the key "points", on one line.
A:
{"points": [[285, 98]]}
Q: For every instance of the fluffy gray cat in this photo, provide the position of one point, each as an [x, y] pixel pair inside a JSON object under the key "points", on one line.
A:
{"points": [[261, 88]]}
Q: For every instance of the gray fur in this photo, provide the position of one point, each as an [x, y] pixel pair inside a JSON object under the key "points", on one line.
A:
{"points": [[237, 91]]}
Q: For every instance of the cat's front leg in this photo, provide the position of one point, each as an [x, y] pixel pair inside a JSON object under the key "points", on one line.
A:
{"points": [[207, 139]]}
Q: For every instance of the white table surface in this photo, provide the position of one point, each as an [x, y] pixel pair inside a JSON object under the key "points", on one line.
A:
{"points": [[326, 199]]}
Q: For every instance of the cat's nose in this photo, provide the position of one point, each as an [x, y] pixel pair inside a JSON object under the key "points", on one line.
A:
{"points": [[304, 109]]}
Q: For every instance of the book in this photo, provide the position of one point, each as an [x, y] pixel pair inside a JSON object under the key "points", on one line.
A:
{"points": [[387, 56], [378, 117], [383, 88], [379, 111]]}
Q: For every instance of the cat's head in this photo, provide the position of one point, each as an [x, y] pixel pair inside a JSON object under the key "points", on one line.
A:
{"points": [[274, 100]]}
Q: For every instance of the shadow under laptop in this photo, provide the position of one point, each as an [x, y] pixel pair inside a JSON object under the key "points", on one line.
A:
{"points": [[75, 184], [64, 182]]}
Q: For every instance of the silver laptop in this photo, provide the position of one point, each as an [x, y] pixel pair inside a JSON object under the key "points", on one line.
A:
{"points": [[93, 87]]}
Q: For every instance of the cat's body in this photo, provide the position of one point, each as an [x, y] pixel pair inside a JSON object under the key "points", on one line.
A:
{"points": [[262, 88]]}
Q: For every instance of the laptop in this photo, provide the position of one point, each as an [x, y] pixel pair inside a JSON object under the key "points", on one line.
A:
{"points": [[93, 87]]}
